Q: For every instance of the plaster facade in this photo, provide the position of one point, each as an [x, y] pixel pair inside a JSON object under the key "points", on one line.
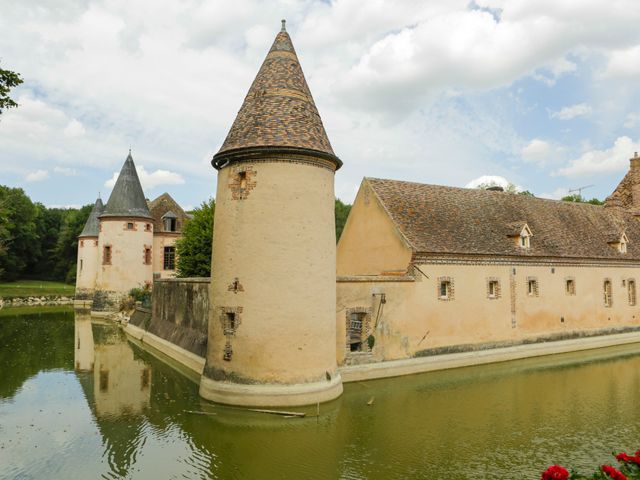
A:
{"points": [[279, 246], [86, 267]]}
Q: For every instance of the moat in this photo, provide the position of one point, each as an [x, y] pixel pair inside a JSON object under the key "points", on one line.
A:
{"points": [[79, 400]]}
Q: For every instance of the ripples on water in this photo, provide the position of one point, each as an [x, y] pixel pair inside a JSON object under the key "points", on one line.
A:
{"points": [[78, 400]]}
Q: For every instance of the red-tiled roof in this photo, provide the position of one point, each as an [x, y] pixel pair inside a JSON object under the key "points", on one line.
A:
{"points": [[443, 220], [279, 110]]}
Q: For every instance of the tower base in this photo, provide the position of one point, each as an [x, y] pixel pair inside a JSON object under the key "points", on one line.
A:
{"points": [[272, 395]]}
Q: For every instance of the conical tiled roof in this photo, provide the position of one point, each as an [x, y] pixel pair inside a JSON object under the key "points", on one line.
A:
{"points": [[278, 113], [127, 198], [92, 227]]}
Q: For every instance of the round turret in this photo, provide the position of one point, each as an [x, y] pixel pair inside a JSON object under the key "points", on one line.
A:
{"points": [[272, 324]]}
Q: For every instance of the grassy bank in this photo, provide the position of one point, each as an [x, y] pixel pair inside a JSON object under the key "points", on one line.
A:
{"points": [[34, 288]]}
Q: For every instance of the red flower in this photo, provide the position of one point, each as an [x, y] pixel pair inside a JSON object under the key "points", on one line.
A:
{"points": [[623, 457], [613, 472], [555, 472]]}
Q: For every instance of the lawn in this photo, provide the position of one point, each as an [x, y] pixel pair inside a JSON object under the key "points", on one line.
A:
{"points": [[35, 288]]}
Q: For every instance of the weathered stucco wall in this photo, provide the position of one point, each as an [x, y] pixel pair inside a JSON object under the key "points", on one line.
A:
{"points": [[127, 269], [415, 321], [276, 239], [370, 244], [161, 240], [87, 267], [179, 314]]}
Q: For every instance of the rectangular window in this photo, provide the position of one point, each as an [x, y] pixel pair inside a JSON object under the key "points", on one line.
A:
{"points": [[242, 177], [147, 256], [80, 264], [169, 258], [170, 224], [570, 286], [608, 301], [106, 255], [147, 227], [631, 291], [129, 225], [355, 333], [532, 287], [445, 289], [230, 323], [494, 289]]}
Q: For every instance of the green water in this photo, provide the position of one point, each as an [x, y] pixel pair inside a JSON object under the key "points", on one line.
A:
{"points": [[79, 401]]}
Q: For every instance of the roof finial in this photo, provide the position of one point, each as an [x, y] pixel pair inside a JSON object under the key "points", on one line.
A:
{"points": [[284, 28]]}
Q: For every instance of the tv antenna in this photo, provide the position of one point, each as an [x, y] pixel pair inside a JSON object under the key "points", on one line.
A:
{"points": [[579, 189]]}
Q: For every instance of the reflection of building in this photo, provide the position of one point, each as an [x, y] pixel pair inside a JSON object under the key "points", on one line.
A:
{"points": [[121, 383], [83, 352], [126, 242]]}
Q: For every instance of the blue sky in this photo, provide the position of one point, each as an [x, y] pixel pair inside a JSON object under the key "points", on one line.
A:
{"points": [[540, 93]]}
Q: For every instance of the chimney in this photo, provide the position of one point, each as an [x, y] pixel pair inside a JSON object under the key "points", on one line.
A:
{"points": [[635, 161]]}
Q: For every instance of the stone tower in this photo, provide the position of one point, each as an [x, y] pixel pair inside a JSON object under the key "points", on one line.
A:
{"points": [[125, 241], [272, 330], [87, 264]]}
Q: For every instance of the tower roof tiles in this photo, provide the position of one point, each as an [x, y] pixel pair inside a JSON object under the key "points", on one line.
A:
{"points": [[92, 227], [127, 198], [278, 113]]}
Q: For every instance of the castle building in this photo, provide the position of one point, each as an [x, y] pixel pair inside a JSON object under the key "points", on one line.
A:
{"points": [[127, 242], [273, 293], [427, 269]]}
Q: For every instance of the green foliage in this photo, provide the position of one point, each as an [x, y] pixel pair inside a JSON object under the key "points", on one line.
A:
{"points": [[510, 188], [36, 241], [371, 341], [577, 198], [193, 250], [342, 212], [141, 294], [526, 193], [8, 80]]}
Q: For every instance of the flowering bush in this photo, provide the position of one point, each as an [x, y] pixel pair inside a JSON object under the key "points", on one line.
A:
{"points": [[629, 469]]}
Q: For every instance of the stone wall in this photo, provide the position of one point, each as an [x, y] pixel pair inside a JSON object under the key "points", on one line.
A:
{"points": [[179, 313]]}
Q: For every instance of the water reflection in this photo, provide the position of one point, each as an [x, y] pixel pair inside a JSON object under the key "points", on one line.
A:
{"points": [[94, 404]]}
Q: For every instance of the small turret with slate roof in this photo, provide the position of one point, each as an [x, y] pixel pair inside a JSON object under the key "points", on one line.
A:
{"points": [[127, 198], [92, 227]]}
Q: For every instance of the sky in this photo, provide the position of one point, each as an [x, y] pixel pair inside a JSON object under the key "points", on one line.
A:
{"points": [[540, 93]]}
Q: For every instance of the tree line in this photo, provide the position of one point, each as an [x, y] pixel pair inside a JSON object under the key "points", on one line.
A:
{"points": [[36, 241]]}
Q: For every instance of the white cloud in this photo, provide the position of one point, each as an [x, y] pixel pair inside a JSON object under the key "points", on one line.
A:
{"points": [[67, 172], [36, 176], [150, 180], [496, 180], [557, 194], [74, 129], [624, 62], [614, 159], [536, 151], [573, 111]]}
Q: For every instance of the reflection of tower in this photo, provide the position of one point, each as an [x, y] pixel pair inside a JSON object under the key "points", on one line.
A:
{"points": [[87, 264], [83, 352], [272, 325], [121, 383]]}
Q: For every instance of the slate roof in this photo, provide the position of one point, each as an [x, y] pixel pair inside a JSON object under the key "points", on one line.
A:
{"points": [[278, 111], [446, 220], [127, 198], [164, 206], [92, 227]]}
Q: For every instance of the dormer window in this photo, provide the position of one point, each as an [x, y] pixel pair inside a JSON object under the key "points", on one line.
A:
{"points": [[520, 233], [170, 222], [619, 242]]}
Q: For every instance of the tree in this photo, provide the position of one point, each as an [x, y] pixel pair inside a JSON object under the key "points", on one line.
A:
{"points": [[577, 198], [20, 237], [193, 250], [8, 80], [510, 188], [342, 212], [65, 251]]}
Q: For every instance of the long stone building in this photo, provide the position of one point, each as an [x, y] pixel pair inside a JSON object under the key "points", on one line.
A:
{"points": [[127, 242]]}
